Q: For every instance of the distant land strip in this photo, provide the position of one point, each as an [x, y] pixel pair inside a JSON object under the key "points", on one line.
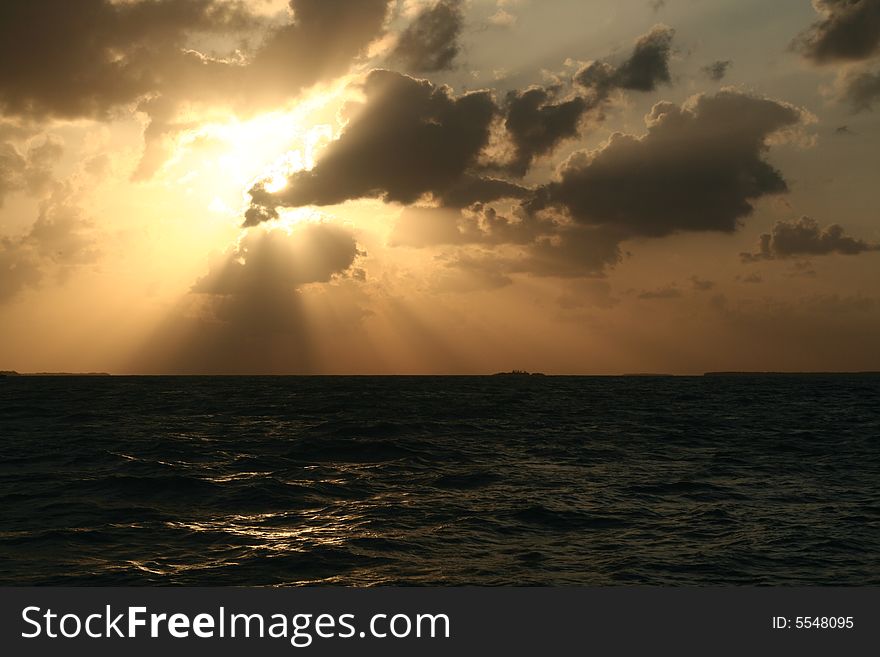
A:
{"points": [[14, 373]]}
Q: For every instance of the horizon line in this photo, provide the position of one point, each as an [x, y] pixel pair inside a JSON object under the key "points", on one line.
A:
{"points": [[515, 374]]}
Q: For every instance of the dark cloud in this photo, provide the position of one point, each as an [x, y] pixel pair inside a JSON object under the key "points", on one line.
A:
{"points": [[804, 237], [526, 243], [408, 139], [320, 43], [89, 58], [314, 253], [420, 227], [648, 65], [430, 42], [61, 238], [250, 312], [473, 188], [80, 59], [861, 89], [412, 138], [573, 251], [698, 168], [848, 30], [717, 70], [536, 125], [536, 121], [645, 68], [535, 248], [30, 170]]}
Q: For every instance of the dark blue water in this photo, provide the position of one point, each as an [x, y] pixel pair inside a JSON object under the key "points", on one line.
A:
{"points": [[447, 480]]}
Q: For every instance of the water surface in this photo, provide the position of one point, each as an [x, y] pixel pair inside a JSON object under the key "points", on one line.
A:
{"points": [[440, 480]]}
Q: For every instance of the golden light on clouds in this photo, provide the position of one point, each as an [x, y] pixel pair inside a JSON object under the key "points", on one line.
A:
{"points": [[362, 182]]}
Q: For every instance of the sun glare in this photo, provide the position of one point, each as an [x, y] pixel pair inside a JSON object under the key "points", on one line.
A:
{"points": [[219, 161], [275, 183]]}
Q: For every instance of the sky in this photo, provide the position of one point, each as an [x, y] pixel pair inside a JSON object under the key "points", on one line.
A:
{"points": [[439, 187]]}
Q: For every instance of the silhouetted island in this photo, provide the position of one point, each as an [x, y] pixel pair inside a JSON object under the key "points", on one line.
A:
{"points": [[518, 373]]}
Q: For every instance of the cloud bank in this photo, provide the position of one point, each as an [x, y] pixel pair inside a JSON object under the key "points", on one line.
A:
{"points": [[408, 139], [699, 167], [804, 237]]}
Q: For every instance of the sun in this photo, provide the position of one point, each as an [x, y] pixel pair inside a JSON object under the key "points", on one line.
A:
{"points": [[276, 182], [219, 160]]}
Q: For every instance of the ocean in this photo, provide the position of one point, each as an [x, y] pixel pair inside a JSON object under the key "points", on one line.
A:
{"points": [[719, 480]]}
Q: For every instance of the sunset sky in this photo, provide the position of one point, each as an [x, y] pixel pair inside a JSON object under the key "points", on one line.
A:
{"points": [[411, 186]]}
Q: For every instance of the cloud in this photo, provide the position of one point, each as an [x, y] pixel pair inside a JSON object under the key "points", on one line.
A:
{"points": [[273, 261], [573, 251], [83, 59], [430, 43], [502, 18], [535, 244], [665, 292], [644, 70], [19, 268], [420, 227], [860, 89], [542, 249], [805, 237], [408, 139], [60, 239], [88, 59], [536, 121], [80, 59], [473, 188], [319, 43], [412, 138], [848, 30], [699, 167], [30, 170], [264, 305], [701, 285], [717, 69], [587, 293], [467, 272], [536, 125]]}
